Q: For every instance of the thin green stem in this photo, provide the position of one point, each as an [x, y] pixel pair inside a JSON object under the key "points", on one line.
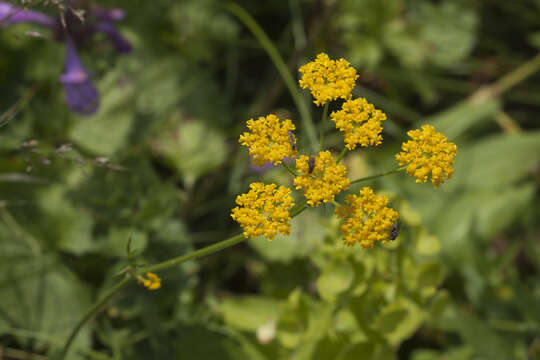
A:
{"points": [[508, 81], [157, 267], [323, 124], [91, 312], [289, 169], [343, 153], [196, 254], [298, 209], [395, 171], [282, 68]]}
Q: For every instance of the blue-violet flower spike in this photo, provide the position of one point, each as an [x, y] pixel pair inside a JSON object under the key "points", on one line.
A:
{"points": [[81, 94]]}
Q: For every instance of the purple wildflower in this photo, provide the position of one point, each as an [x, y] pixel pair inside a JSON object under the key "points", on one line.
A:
{"points": [[81, 94], [10, 14]]}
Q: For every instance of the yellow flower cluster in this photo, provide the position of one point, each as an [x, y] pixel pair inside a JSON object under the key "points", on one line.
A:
{"points": [[360, 122], [321, 178], [264, 210], [367, 219], [328, 79], [269, 140], [152, 281], [428, 152]]}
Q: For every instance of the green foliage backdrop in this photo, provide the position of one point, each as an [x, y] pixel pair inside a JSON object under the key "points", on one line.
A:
{"points": [[159, 163]]}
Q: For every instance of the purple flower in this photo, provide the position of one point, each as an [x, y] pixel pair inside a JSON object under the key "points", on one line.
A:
{"points": [[81, 94], [10, 14]]}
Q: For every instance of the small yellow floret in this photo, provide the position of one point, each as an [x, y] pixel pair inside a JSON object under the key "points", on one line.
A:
{"points": [[152, 281], [325, 180], [428, 152], [269, 140], [367, 219], [264, 210], [360, 122], [328, 79]]}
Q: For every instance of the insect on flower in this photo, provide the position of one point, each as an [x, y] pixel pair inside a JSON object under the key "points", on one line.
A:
{"points": [[292, 140], [311, 164], [395, 231]]}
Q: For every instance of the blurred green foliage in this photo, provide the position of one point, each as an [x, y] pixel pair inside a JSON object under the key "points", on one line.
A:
{"points": [[159, 163]]}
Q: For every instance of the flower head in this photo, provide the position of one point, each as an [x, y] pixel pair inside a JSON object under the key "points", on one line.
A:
{"points": [[264, 210], [320, 177], [360, 122], [152, 281], [428, 152], [367, 219], [328, 79], [268, 140]]}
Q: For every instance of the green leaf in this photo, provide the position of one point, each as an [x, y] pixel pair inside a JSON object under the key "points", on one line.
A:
{"points": [[427, 244], [459, 118], [429, 277], [191, 147], [306, 236], [399, 320], [39, 294], [198, 342], [498, 161], [249, 312], [335, 278], [501, 209], [69, 226], [449, 29]]}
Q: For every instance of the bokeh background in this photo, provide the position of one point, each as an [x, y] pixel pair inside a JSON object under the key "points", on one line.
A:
{"points": [[159, 162]]}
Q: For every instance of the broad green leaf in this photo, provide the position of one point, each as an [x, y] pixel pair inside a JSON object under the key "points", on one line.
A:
{"points": [[39, 294], [457, 119], [427, 244], [191, 147], [429, 277], [198, 342], [320, 320], [450, 30], [114, 244], [498, 161], [399, 320], [500, 209], [68, 225], [335, 278], [108, 130], [249, 312], [306, 236]]}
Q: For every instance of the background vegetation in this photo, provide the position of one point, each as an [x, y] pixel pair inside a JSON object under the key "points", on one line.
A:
{"points": [[160, 163]]}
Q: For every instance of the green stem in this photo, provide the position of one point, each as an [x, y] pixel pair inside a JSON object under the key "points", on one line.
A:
{"points": [[345, 150], [323, 124], [195, 254], [298, 209], [508, 81], [395, 171], [516, 76], [289, 169], [157, 267], [91, 312], [282, 68]]}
